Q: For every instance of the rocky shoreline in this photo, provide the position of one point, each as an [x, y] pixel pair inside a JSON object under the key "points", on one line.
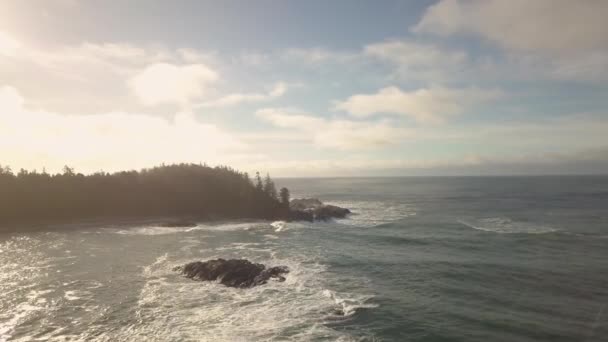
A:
{"points": [[242, 273], [305, 209]]}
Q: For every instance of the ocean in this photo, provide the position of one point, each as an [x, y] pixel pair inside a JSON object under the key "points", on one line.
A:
{"points": [[420, 259]]}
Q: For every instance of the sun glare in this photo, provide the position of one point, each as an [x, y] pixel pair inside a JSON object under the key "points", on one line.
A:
{"points": [[8, 44]]}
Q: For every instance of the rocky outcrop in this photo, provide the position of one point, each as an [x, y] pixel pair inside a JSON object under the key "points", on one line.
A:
{"points": [[330, 211], [311, 209], [239, 273], [300, 215], [305, 204]]}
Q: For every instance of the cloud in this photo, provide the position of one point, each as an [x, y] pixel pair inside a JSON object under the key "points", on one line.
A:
{"points": [[290, 118], [554, 39], [167, 83], [334, 133], [112, 141], [420, 60], [586, 161], [426, 105], [101, 77], [238, 98], [9, 45], [316, 55], [546, 25]]}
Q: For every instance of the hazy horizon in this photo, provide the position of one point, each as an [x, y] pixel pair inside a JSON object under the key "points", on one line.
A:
{"points": [[306, 89]]}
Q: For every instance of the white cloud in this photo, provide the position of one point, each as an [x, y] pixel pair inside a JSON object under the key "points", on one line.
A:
{"points": [[335, 133], [419, 60], [426, 105], [316, 55], [112, 141], [547, 25], [290, 118], [563, 39], [167, 83], [93, 77], [9, 45], [594, 161], [234, 99], [108, 50]]}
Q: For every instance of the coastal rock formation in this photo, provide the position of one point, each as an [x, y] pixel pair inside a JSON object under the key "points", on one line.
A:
{"points": [[311, 209], [239, 273], [330, 211], [300, 215]]}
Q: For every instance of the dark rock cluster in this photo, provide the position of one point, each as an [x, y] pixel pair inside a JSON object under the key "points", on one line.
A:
{"points": [[311, 209], [239, 273]]}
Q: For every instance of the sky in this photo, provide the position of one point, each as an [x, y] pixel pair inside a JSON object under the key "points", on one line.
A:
{"points": [[306, 88]]}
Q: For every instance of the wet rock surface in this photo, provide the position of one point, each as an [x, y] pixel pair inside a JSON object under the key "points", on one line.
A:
{"points": [[311, 209], [238, 273]]}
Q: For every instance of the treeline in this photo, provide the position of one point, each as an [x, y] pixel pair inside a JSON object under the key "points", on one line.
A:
{"points": [[181, 190]]}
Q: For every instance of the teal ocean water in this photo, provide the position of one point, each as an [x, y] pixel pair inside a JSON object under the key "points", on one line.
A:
{"points": [[420, 259]]}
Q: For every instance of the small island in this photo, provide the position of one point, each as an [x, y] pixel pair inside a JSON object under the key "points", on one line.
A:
{"points": [[238, 273], [179, 193]]}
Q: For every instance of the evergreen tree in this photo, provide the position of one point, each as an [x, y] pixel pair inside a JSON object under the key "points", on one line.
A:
{"points": [[269, 187], [172, 190], [284, 195], [68, 171], [258, 182]]}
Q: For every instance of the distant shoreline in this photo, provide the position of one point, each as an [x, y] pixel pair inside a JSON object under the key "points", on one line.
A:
{"points": [[112, 222], [166, 193]]}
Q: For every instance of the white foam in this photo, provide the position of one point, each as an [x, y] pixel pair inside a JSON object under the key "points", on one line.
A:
{"points": [[349, 303], [292, 310], [34, 303], [22, 311], [157, 230], [148, 270], [279, 225], [503, 225], [373, 213], [71, 295], [153, 230]]}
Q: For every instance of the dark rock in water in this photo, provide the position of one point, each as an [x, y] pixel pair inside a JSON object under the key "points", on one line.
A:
{"points": [[338, 312], [305, 203], [179, 224], [330, 211], [300, 215], [310, 209], [234, 272]]}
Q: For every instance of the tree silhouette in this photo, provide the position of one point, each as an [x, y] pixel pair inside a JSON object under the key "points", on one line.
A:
{"points": [[171, 190], [258, 182], [68, 171], [269, 187], [284, 195]]}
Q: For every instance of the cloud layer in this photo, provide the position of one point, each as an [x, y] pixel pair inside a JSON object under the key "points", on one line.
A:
{"points": [[110, 141], [427, 105], [334, 133], [461, 84], [561, 26], [167, 83]]}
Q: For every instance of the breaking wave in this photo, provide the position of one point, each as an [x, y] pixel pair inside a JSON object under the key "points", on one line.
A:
{"points": [[374, 213], [297, 309], [504, 225]]}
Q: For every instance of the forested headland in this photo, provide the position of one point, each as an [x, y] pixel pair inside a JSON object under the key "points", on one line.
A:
{"points": [[179, 190]]}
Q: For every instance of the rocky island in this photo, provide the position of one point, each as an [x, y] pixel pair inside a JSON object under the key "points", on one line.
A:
{"points": [[238, 273], [312, 209]]}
